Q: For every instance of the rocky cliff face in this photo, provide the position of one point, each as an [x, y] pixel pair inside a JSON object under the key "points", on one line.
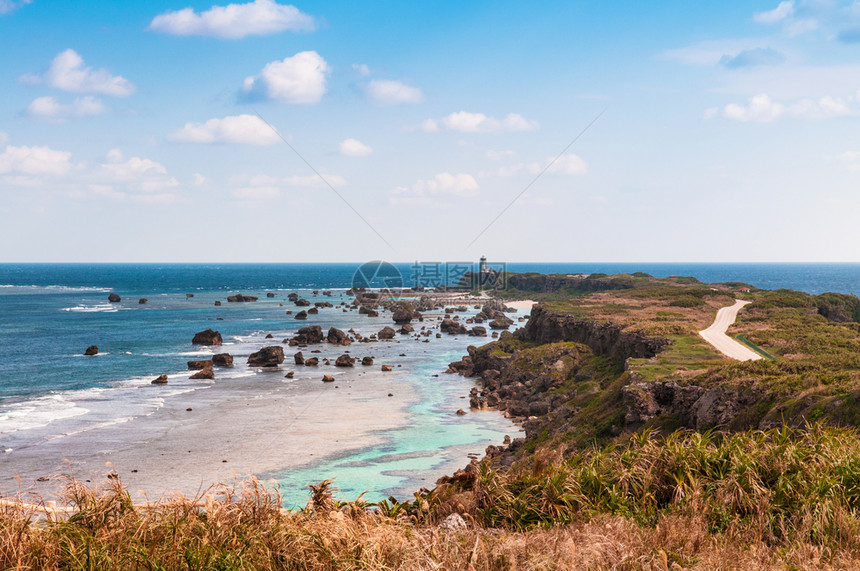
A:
{"points": [[604, 338]]}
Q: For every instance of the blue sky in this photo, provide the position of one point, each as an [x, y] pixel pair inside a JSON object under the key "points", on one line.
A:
{"points": [[143, 132]]}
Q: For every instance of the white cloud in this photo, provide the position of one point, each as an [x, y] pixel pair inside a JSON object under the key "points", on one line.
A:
{"points": [[68, 73], [390, 92], [784, 10], [460, 184], [466, 122], [135, 174], [297, 79], [261, 17], [362, 69], [261, 187], [38, 161], [241, 129], [761, 108], [354, 148], [850, 159], [50, 108], [9, 6], [199, 179], [570, 165]]}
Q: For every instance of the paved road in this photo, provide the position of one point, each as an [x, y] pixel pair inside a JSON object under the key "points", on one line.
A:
{"points": [[716, 334]]}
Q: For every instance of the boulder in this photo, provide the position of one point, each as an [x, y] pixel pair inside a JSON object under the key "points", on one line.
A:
{"points": [[198, 365], [270, 336], [302, 314], [386, 333], [338, 337], [367, 361], [406, 329], [293, 297], [299, 358], [452, 327], [312, 362], [217, 302], [328, 379], [502, 322], [290, 375], [344, 361], [91, 350], [161, 380], [313, 311], [460, 412], [302, 303], [114, 298], [189, 295], [222, 360], [387, 368], [208, 337], [309, 334], [241, 298], [478, 331], [142, 300], [271, 356], [402, 315], [203, 374], [270, 294]]}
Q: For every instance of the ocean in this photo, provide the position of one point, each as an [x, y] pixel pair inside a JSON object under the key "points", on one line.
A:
{"points": [[56, 402]]}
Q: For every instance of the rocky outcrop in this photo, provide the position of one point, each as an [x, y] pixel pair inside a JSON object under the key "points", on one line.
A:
{"points": [[603, 337], [199, 365], [299, 358], [309, 334], [312, 362], [337, 337], [302, 303], [694, 406], [402, 315], [452, 327], [207, 337], [270, 294], [502, 322], [271, 356], [142, 301], [114, 298], [239, 298], [91, 350], [344, 361], [207, 374], [367, 361], [478, 331], [302, 314], [160, 380], [222, 360], [386, 333]]}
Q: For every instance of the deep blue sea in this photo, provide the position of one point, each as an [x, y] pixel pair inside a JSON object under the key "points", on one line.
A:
{"points": [[50, 313]]}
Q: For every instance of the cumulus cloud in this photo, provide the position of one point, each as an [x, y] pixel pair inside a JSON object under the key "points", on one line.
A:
{"points": [[390, 92], [362, 69], [297, 79], [37, 161], [68, 73], [240, 129], [460, 184], [761, 108], [784, 10], [9, 6], [261, 17], [465, 122], [50, 108], [752, 58], [354, 148], [135, 174]]}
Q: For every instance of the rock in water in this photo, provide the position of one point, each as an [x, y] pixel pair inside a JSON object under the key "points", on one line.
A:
{"points": [[204, 374], [302, 314], [161, 380], [114, 298], [198, 365], [309, 334], [271, 356], [344, 361], [91, 350], [217, 302], [208, 337], [222, 360], [312, 362], [367, 361], [338, 337], [387, 368], [328, 379], [142, 300], [386, 333], [270, 294], [241, 298], [452, 327], [302, 303], [299, 358], [402, 315]]}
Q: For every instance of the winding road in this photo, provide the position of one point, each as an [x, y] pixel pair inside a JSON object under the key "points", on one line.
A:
{"points": [[716, 334]]}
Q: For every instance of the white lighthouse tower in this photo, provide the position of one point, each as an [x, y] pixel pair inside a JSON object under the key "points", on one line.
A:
{"points": [[483, 265]]}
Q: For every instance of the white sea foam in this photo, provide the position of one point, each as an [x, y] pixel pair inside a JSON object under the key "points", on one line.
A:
{"points": [[37, 413], [99, 308]]}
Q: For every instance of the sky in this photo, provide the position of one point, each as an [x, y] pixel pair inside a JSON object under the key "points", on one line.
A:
{"points": [[342, 131]]}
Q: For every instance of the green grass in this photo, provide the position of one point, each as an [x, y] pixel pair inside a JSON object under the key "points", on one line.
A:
{"points": [[686, 351]]}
